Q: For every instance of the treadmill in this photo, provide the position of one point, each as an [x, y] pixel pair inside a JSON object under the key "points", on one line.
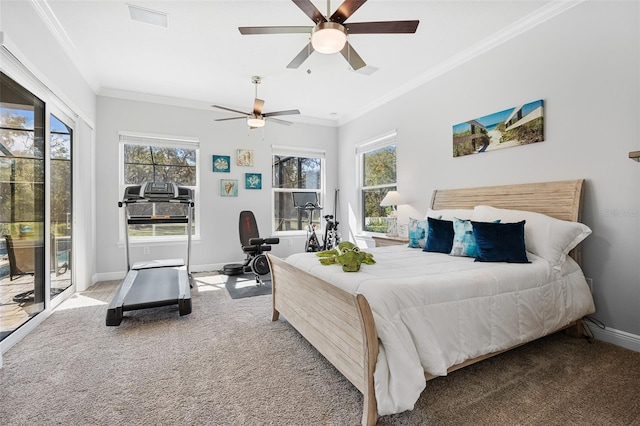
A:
{"points": [[154, 283]]}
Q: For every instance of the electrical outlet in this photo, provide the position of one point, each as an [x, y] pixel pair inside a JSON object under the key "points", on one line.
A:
{"points": [[590, 282], [146, 250]]}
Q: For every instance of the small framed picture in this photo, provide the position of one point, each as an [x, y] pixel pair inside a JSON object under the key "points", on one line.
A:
{"points": [[221, 163], [253, 180], [245, 157], [228, 187]]}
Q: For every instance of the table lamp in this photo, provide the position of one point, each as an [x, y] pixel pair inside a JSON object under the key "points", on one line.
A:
{"points": [[394, 199]]}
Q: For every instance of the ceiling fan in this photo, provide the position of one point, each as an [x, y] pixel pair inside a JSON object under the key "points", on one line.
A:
{"points": [[329, 35], [256, 118]]}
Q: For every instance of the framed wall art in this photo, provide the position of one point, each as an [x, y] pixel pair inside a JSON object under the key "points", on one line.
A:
{"points": [[245, 157], [521, 125], [221, 163], [228, 187], [253, 180]]}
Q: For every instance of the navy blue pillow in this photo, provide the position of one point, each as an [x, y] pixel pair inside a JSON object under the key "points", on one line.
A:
{"points": [[500, 242], [439, 235]]}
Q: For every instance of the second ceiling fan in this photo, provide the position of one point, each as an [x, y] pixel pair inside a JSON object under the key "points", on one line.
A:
{"points": [[329, 35], [256, 118]]}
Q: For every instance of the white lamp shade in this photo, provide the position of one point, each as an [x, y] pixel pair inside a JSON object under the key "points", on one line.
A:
{"points": [[328, 37], [254, 121], [392, 199]]}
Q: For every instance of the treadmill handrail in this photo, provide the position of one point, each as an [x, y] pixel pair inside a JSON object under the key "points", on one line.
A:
{"points": [[152, 200]]}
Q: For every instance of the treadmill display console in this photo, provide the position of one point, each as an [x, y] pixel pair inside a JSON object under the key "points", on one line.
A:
{"points": [[157, 191]]}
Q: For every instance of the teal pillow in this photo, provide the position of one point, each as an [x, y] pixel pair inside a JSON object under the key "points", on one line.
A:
{"points": [[464, 243], [500, 242], [417, 232]]}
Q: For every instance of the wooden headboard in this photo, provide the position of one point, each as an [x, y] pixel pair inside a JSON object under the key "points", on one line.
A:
{"points": [[562, 199]]}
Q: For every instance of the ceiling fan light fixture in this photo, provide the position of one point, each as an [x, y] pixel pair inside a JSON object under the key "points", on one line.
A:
{"points": [[255, 121], [328, 37]]}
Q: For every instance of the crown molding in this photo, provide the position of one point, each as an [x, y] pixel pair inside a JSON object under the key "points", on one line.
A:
{"points": [[188, 103], [57, 30], [541, 15]]}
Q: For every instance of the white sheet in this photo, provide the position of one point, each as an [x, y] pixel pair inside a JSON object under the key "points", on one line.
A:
{"points": [[433, 311]]}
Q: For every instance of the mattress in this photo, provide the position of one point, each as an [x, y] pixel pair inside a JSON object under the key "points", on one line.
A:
{"points": [[433, 311]]}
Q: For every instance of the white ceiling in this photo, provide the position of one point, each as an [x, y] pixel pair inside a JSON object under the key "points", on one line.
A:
{"points": [[202, 58]]}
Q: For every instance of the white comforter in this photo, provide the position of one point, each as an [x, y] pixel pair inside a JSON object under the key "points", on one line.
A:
{"points": [[433, 311]]}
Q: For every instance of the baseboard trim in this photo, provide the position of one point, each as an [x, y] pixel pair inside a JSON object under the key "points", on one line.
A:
{"points": [[110, 276], [616, 337]]}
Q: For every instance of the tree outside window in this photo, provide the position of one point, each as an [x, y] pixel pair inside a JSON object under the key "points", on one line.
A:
{"points": [[378, 178], [159, 162], [295, 174]]}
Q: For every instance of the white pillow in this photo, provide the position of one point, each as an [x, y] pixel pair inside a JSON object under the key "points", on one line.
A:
{"points": [[449, 214], [547, 237]]}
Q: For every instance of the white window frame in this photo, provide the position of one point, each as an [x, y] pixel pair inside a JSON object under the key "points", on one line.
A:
{"points": [[170, 141], [365, 147], [305, 153]]}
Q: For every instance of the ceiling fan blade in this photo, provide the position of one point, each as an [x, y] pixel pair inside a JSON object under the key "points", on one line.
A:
{"points": [[257, 106], [229, 109], [387, 27], [352, 57], [275, 120], [287, 112], [232, 118], [274, 30], [345, 10], [301, 57], [310, 10]]}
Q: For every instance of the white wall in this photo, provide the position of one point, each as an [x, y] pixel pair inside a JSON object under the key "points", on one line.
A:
{"points": [[219, 243], [584, 64]]}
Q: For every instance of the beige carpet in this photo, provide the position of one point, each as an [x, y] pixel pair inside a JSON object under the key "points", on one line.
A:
{"points": [[228, 364]]}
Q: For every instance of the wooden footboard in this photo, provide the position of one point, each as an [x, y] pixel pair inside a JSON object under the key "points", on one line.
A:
{"points": [[338, 324]]}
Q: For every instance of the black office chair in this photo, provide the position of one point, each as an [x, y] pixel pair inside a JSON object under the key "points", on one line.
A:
{"points": [[254, 246]]}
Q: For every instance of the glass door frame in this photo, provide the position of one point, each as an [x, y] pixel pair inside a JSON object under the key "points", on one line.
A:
{"points": [[52, 110], [15, 70]]}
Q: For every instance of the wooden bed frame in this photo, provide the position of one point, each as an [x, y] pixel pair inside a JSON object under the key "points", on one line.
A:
{"points": [[340, 325]]}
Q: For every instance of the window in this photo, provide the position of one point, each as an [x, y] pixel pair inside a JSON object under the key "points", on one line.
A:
{"points": [[159, 159], [377, 177], [295, 170]]}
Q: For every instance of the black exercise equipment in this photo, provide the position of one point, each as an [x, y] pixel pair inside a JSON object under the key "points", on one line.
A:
{"points": [[254, 246], [308, 201], [157, 282]]}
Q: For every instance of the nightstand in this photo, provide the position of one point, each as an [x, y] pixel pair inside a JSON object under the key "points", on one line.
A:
{"points": [[383, 240]]}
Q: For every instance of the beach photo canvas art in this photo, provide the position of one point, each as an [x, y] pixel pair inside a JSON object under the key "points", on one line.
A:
{"points": [[516, 126], [229, 187]]}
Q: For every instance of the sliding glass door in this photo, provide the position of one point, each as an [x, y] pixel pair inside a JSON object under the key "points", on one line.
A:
{"points": [[60, 218], [22, 205]]}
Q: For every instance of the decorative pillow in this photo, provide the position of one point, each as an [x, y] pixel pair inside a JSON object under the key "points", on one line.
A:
{"points": [[449, 214], [417, 232], [464, 243], [439, 235], [547, 237], [500, 242]]}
